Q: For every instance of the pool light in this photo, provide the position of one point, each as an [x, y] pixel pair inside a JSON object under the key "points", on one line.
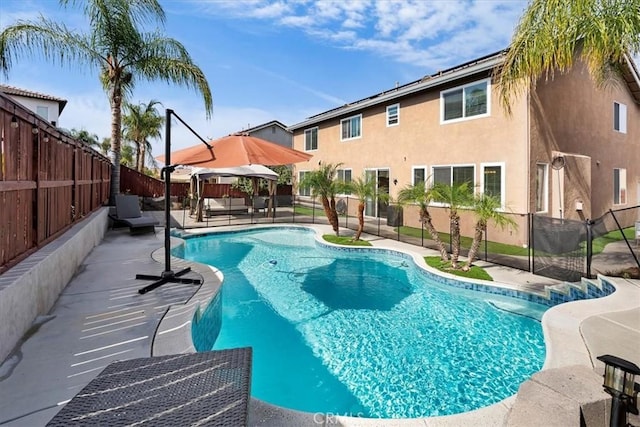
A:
{"points": [[619, 380]]}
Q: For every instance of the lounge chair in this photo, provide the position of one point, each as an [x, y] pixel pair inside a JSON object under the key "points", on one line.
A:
{"points": [[128, 213]]}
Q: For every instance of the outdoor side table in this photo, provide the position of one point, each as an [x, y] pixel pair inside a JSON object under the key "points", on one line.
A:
{"points": [[209, 388]]}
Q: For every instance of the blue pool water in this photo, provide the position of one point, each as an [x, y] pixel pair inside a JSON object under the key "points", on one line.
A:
{"points": [[364, 333]]}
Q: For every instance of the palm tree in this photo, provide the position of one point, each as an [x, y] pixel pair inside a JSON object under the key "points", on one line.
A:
{"points": [[322, 183], [454, 196], [91, 139], [363, 189], [117, 47], [552, 33], [105, 146], [485, 208], [422, 196], [140, 123]]}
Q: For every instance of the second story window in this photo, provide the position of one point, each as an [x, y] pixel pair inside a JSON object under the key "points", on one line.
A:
{"points": [[43, 112], [351, 127], [393, 115], [311, 139], [619, 117], [469, 101]]}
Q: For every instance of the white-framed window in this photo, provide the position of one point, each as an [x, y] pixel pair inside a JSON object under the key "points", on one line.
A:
{"points": [[303, 191], [466, 102], [393, 115], [493, 180], [344, 175], [418, 174], [351, 127], [311, 139], [542, 187], [43, 112], [619, 117], [619, 186], [454, 175]]}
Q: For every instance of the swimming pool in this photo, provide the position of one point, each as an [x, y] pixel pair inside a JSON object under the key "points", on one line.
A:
{"points": [[364, 332]]}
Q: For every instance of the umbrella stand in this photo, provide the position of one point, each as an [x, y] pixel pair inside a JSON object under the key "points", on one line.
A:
{"points": [[168, 276]]}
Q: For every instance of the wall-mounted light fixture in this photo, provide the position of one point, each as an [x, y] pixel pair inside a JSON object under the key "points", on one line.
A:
{"points": [[14, 119], [34, 129], [395, 181]]}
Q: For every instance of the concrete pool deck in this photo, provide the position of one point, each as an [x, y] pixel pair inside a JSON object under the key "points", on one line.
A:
{"points": [[100, 317]]}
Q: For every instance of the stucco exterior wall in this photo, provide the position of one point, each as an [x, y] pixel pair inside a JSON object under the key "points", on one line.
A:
{"points": [[33, 104], [571, 115], [274, 134], [420, 139]]}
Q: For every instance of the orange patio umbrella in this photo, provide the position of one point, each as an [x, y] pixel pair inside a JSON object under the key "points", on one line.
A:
{"points": [[237, 150]]}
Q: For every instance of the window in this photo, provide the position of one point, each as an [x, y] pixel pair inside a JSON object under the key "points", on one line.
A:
{"points": [[419, 174], [619, 186], [303, 191], [43, 112], [351, 127], [311, 139], [344, 175], [619, 117], [493, 181], [465, 102], [393, 115], [454, 175], [542, 187]]}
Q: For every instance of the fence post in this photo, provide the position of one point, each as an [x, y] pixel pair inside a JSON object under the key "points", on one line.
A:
{"points": [[532, 246], [588, 224]]}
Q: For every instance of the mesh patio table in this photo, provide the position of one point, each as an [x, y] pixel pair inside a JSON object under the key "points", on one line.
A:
{"points": [[208, 388]]}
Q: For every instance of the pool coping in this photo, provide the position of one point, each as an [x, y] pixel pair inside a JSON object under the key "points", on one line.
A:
{"points": [[565, 345]]}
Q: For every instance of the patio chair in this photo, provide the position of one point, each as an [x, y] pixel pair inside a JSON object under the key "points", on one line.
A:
{"points": [[128, 213]]}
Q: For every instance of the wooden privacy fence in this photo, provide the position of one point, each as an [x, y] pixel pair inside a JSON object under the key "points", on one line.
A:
{"points": [[48, 181]]}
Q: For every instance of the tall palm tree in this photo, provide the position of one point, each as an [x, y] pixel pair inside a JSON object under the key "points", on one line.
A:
{"points": [[454, 196], [323, 184], [363, 189], [422, 196], [486, 208], [604, 33], [142, 122], [115, 45]]}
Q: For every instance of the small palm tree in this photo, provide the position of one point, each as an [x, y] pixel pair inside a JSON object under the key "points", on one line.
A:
{"points": [[363, 189], [454, 196], [91, 139], [323, 183], [117, 47], [486, 208], [422, 196], [142, 122]]}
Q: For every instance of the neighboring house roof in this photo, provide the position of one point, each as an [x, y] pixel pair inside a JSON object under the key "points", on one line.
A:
{"points": [[11, 90], [485, 63], [265, 125]]}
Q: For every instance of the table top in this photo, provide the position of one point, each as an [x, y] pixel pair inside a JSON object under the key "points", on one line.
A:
{"points": [[205, 388]]}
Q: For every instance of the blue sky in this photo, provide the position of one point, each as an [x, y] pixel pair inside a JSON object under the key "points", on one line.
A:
{"points": [[277, 60]]}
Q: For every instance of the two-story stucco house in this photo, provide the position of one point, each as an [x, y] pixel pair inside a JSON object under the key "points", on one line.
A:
{"points": [[47, 107], [568, 150]]}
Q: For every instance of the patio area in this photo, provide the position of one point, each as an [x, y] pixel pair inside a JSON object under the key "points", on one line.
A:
{"points": [[100, 318]]}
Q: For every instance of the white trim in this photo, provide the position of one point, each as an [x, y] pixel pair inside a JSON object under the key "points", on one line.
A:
{"points": [[545, 190], [622, 117], [397, 105], [464, 118], [350, 118], [426, 174], [502, 180]]}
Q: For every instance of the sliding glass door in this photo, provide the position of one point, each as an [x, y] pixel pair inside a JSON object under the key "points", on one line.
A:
{"points": [[377, 208]]}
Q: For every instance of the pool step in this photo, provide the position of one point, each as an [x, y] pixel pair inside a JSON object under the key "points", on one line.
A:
{"points": [[574, 291]]}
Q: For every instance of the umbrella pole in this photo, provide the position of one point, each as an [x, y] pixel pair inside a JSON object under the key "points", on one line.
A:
{"points": [[168, 276]]}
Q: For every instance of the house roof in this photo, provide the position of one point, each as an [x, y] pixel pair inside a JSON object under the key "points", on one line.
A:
{"points": [[15, 91], [266, 125], [485, 63]]}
